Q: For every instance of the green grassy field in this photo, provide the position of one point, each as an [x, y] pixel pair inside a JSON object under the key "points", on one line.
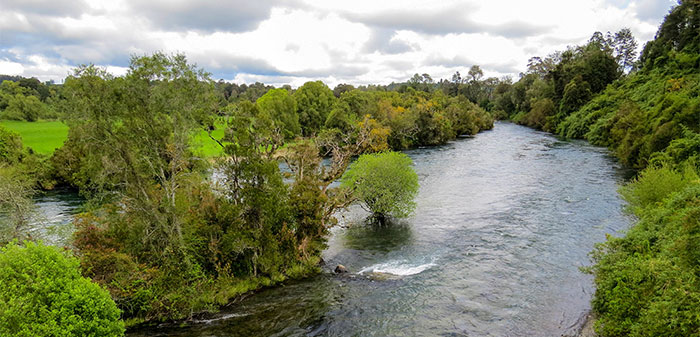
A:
{"points": [[43, 137], [46, 136], [206, 147]]}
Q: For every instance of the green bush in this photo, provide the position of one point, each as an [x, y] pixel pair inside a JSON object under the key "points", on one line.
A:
{"points": [[10, 147], [384, 182], [43, 294], [647, 282]]}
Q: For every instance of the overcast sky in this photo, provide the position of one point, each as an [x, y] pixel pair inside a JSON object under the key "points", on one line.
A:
{"points": [[291, 42]]}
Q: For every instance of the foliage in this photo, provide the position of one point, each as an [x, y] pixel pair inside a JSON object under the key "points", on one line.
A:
{"points": [[10, 147], [281, 108], [16, 205], [24, 99], [384, 182], [314, 102], [43, 294], [646, 282]]}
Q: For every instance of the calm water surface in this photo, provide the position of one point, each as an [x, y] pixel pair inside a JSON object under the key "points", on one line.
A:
{"points": [[504, 221]]}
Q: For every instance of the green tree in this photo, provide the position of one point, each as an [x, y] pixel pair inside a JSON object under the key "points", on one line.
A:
{"points": [[129, 141], [20, 107], [475, 73], [385, 183], [282, 108], [10, 147], [625, 49], [43, 294], [314, 102]]}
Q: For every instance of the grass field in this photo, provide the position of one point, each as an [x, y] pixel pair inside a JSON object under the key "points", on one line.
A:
{"points": [[46, 136], [43, 137]]}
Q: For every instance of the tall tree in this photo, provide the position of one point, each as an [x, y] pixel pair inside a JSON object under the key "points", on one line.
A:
{"points": [[475, 73], [129, 139], [625, 49], [314, 102], [282, 108]]}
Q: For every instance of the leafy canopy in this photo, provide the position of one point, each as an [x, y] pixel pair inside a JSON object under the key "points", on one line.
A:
{"points": [[43, 294], [384, 182]]}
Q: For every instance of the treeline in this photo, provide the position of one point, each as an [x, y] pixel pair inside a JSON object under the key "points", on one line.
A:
{"points": [[647, 111], [157, 233], [27, 98]]}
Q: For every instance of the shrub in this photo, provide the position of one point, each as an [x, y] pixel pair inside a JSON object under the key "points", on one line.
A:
{"points": [[43, 294], [385, 183]]}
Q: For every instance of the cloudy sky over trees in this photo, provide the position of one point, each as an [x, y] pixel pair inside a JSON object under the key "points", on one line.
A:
{"points": [[277, 42]]}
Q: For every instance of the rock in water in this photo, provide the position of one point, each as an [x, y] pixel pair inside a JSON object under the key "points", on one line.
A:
{"points": [[340, 269]]}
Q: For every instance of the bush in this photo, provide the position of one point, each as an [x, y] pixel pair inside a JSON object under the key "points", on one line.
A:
{"points": [[10, 147], [385, 183], [646, 282], [43, 294]]}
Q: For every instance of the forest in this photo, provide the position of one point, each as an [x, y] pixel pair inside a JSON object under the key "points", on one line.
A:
{"points": [[159, 239]]}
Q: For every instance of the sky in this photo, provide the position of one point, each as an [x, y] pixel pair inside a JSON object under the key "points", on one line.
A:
{"points": [[295, 41]]}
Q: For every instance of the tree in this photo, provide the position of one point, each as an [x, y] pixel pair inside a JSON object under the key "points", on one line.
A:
{"points": [[625, 49], [10, 147], [43, 294], [129, 141], [475, 73], [282, 108], [385, 183], [314, 102]]}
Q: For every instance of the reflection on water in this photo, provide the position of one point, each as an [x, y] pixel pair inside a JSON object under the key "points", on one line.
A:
{"points": [[504, 220], [55, 210], [366, 236]]}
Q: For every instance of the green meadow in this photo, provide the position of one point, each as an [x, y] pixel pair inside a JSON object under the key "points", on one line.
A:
{"points": [[44, 137]]}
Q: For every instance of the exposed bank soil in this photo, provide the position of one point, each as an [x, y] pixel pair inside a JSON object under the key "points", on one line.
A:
{"points": [[587, 327]]}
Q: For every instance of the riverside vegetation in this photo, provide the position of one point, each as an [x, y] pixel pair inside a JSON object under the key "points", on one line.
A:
{"points": [[167, 244]]}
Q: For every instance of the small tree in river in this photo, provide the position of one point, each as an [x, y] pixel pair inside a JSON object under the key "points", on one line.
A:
{"points": [[385, 183]]}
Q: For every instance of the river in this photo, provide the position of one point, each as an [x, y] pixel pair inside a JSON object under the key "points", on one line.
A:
{"points": [[503, 222]]}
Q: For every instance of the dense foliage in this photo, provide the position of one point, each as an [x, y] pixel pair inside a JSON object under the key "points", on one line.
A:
{"points": [[385, 183], [27, 99], [43, 294], [647, 282]]}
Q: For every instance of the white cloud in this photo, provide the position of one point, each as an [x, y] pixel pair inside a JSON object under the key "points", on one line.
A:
{"points": [[292, 41], [10, 68]]}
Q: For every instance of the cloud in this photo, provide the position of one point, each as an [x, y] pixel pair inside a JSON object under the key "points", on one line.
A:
{"points": [[293, 41], [461, 62], [205, 15], [652, 10], [455, 19], [64, 8], [382, 40]]}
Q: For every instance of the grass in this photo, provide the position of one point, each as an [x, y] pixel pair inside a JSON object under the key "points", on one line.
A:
{"points": [[204, 146], [45, 137]]}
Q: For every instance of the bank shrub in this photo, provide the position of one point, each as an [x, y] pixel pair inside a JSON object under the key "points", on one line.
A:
{"points": [[10, 147], [647, 282], [43, 294]]}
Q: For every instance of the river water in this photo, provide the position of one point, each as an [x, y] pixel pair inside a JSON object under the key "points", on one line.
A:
{"points": [[503, 222]]}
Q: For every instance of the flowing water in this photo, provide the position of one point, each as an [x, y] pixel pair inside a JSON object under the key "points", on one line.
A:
{"points": [[503, 222]]}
